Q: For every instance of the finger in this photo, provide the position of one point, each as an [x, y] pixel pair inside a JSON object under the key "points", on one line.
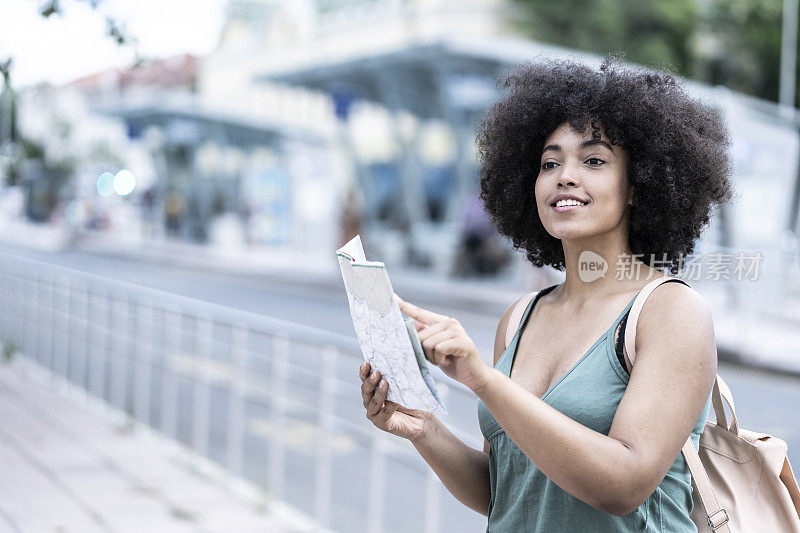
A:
{"points": [[363, 371], [434, 329], [385, 414], [419, 326], [377, 399], [442, 350], [429, 345], [368, 387], [418, 313]]}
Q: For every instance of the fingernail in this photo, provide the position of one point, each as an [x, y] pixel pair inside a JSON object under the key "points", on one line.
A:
{"points": [[382, 384]]}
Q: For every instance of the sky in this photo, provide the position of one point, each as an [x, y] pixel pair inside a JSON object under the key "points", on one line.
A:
{"points": [[64, 47]]}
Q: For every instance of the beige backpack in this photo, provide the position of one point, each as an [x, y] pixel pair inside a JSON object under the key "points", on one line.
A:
{"points": [[742, 479]]}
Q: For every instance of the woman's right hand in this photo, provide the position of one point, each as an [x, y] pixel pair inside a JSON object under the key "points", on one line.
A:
{"points": [[411, 424]]}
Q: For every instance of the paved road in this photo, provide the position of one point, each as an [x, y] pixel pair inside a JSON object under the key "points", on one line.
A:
{"points": [[765, 402]]}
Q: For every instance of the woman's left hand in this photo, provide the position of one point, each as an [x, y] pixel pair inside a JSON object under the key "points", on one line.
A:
{"points": [[447, 345]]}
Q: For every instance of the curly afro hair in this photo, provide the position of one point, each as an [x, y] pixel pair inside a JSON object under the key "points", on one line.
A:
{"points": [[677, 146]]}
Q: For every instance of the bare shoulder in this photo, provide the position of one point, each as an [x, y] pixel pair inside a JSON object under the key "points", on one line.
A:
{"points": [[502, 326], [676, 299], [677, 315]]}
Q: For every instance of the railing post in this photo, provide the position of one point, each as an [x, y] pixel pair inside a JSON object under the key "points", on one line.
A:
{"points": [[37, 330], [433, 486], [60, 364], [4, 313], [16, 299], [327, 394], [28, 331], [98, 359], [237, 399], [202, 381], [87, 336], [143, 361], [67, 321], [6, 302], [377, 472], [119, 378], [169, 381], [82, 333], [51, 327], [280, 351]]}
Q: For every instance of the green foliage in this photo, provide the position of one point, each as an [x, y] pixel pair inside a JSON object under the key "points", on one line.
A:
{"points": [[9, 350], [747, 53], [31, 149], [735, 43], [649, 33], [114, 28]]}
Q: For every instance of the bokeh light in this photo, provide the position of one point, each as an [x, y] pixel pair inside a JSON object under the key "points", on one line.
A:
{"points": [[124, 182], [105, 184]]}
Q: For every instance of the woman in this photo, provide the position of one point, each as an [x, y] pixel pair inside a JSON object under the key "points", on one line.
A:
{"points": [[576, 439]]}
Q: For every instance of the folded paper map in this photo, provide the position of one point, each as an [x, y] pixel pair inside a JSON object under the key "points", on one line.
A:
{"points": [[387, 338]]}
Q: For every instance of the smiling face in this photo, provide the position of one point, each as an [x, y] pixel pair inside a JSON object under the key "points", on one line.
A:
{"points": [[590, 173]]}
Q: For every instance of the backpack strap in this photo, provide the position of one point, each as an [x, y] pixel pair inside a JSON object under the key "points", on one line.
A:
{"points": [[716, 517], [721, 390], [516, 316]]}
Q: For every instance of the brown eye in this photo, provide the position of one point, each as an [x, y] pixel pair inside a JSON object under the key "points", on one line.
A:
{"points": [[545, 167], [600, 161]]}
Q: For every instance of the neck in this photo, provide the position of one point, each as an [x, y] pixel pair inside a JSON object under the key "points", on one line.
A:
{"points": [[611, 248]]}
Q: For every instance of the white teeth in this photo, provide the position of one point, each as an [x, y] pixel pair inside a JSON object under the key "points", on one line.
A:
{"points": [[562, 203]]}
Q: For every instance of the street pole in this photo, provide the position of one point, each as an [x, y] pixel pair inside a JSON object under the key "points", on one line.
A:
{"points": [[788, 58], [787, 93]]}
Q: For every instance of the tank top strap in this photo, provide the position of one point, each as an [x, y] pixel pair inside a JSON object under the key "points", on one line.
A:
{"points": [[512, 346], [530, 307]]}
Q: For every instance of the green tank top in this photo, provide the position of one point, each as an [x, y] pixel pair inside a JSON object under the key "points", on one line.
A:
{"points": [[524, 499]]}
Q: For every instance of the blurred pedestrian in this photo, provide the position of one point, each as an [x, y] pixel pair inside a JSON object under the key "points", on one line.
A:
{"points": [[350, 217], [480, 252], [149, 216], [174, 209]]}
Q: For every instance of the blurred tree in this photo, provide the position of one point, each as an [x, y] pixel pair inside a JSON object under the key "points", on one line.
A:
{"points": [[736, 43], [649, 33], [25, 162], [742, 46], [114, 28], [8, 107]]}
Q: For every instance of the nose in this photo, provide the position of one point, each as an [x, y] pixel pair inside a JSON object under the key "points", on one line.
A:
{"points": [[568, 175], [567, 178]]}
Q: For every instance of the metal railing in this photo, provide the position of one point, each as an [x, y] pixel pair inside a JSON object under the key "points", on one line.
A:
{"points": [[201, 373]]}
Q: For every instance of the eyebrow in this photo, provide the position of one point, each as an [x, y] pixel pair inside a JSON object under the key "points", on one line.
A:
{"points": [[584, 144]]}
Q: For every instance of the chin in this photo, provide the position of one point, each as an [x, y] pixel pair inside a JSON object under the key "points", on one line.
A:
{"points": [[571, 232]]}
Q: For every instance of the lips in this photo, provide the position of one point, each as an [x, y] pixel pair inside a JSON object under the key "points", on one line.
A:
{"points": [[567, 196], [564, 208]]}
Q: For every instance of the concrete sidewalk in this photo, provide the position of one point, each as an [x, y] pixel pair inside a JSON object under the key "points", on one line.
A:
{"points": [[67, 469]]}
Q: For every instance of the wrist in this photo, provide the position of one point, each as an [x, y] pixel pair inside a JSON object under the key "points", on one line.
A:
{"points": [[482, 385], [429, 428]]}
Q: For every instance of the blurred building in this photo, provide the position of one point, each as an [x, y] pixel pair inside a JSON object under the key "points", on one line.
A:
{"points": [[228, 171], [399, 71], [316, 119]]}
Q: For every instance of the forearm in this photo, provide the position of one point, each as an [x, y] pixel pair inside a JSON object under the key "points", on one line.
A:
{"points": [[462, 469], [593, 467]]}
